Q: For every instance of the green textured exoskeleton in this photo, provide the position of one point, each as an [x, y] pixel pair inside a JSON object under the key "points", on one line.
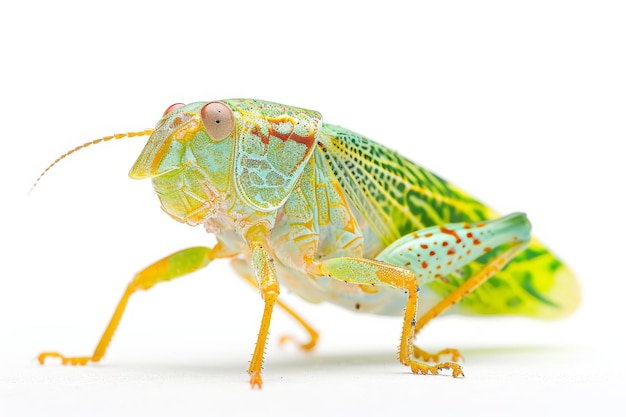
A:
{"points": [[336, 217]]}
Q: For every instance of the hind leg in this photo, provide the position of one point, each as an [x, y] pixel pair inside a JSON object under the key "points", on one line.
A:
{"points": [[435, 252]]}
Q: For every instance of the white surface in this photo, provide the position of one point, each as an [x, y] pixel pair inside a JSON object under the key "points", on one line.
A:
{"points": [[521, 104]]}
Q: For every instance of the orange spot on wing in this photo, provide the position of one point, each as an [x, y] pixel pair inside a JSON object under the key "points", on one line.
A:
{"points": [[450, 232]]}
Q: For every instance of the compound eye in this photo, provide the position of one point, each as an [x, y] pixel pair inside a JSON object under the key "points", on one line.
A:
{"points": [[172, 108], [218, 120]]}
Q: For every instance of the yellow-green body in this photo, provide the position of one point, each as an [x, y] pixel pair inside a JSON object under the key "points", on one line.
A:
{"points": [[342, 196], [333, 216]]}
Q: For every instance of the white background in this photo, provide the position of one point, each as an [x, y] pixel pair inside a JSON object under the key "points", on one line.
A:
{"points": [[520, 103]]}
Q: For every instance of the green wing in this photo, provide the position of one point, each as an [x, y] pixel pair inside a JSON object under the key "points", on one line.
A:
{"points": [[394, 196]]}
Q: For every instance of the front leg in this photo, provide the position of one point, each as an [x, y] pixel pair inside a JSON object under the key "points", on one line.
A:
{"points": [[169, 268], [263, 266]]}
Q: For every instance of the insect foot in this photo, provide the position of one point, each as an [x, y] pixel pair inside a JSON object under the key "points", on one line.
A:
{"points": [[77, 360], [255, 380], [420, 354], [420, 368], [307, 347]]}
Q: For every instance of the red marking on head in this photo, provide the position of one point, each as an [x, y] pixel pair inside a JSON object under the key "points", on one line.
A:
{"points": [[172, 108], [476, 242], [470, 235], [451, 252], [432, 253], [308, 141], [450, 232], [424, 265], [428, 234], [481, 225], [424, 246], [444, 244]]}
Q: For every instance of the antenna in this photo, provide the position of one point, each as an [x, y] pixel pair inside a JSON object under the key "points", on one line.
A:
{"points": [[116, 136]]}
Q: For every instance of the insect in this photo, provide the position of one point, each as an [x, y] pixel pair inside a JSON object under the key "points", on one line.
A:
{"points": [[334, 216]]}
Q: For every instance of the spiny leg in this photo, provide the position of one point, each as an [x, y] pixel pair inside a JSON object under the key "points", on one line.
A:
{"points": [[435, 252], [376, 272], [468, 286], [171, 267], [242, 270], [267, 282], [420, 354]]}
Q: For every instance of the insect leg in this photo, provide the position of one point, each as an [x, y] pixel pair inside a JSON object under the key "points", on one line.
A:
{"points": [[435, 252], [173, 266], [242, 268], [375, 272], [267, 283]]}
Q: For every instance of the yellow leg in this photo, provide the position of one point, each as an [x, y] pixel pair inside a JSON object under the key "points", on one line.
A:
{"points": [[168, 268], [375, 272], [437, 251], [422, 355], [455, 296], [313, 334], [433, 253], [268, 285]]}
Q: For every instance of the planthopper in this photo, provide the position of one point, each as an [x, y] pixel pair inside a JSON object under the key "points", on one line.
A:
{"points": [[334, 216]]}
